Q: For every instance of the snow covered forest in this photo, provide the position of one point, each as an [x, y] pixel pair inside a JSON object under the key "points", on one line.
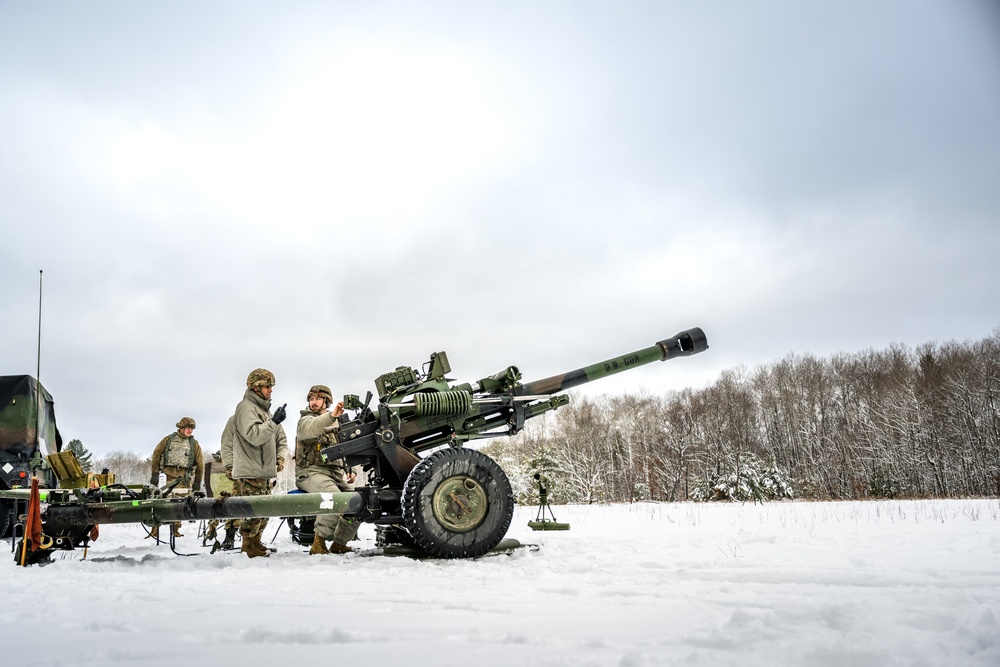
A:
{"points": [[880, 423], [891, 423]]}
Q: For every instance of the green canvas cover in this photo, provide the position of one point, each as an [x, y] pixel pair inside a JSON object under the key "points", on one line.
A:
{"points": [[21, 397]]}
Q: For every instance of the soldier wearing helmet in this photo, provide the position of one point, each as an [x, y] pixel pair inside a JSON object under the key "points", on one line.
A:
{"points": [[179, 457], [259, 449], [313, 474]]}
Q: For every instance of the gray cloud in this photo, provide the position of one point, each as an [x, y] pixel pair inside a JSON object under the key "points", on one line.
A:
{"points": [[331, 191]]}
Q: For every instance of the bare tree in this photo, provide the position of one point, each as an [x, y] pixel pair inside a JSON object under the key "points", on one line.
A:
{"points": [[128, 467]]}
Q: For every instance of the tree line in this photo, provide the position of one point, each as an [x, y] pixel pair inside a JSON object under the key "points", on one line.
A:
{"points": [[897, 422], [132, 468]]}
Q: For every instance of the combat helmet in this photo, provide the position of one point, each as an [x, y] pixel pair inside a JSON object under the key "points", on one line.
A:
{"points": [[320, 390], [186, 422], [260, 377]]}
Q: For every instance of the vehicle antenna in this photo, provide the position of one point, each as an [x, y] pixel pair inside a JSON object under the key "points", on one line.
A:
{"points": [[38, 368]]}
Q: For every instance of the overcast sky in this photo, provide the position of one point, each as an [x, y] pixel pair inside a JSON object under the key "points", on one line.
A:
{"points": [[330, 190]]}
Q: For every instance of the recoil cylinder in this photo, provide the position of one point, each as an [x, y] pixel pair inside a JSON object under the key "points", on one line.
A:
{"points": [[455, 402]]}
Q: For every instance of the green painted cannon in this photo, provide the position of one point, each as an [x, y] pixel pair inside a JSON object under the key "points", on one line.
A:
{"points": [[457, 502]]}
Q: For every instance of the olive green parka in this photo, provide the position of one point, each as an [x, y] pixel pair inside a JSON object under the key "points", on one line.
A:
{"points": [[257, 441]]}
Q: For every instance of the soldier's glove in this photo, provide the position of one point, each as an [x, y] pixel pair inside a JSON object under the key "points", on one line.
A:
{"points": [[279, 414], [154, 480], [281, 464]]}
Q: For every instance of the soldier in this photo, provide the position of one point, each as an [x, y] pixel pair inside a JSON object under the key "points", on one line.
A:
{"points": [[314, 475], [225, 457], [178, 456], [259, 449], [232, 525]]}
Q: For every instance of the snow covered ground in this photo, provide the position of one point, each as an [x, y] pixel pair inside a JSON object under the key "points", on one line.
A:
{"points": [[795, 583]]}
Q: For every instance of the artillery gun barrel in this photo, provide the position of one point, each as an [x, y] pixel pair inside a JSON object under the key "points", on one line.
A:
{"points": [[683, 344]]}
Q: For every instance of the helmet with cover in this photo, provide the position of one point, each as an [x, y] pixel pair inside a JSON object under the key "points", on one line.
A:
{"points": [[186, 422], [260, 377], [322, 391]]}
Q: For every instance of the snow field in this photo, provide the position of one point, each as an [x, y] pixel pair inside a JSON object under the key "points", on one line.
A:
{"points": [[791, 583]]}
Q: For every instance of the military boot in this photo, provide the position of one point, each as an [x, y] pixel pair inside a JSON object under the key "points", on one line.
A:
{"points": [[230, 541], [177, 530], [212, 533], [253, 548], [318, 546], [338, 548], [263, 546], [153, 533]]}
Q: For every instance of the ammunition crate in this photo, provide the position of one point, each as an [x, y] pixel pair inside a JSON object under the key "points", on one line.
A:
{"points": [[71, 475], [90, 480], [386, 383], [216, 481]]}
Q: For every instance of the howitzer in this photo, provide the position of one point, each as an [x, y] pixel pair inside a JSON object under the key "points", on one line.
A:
{"points": [[454, 502]]}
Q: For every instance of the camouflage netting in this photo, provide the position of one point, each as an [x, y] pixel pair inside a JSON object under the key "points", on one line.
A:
{"points": [[20, 397]]}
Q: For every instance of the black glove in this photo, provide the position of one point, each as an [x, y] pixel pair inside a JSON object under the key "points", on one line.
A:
{"points": [[279, 414], [154, 480]]}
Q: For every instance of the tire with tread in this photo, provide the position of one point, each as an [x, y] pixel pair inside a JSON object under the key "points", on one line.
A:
{"points": [[457, 503]]}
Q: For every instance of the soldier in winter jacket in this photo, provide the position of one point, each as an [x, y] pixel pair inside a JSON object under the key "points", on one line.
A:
{"points": [[259, 450], [313, 474]]}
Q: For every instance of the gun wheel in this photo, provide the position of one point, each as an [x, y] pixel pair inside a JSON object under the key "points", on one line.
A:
{"points": [[457, 503]]}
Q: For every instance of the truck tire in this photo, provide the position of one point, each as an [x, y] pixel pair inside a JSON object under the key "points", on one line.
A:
{"points": [[457, 503]]}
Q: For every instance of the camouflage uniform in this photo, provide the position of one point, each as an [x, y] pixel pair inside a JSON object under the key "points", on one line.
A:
{"points": [[258, 443], [315, 475], [225, 456], [228, 435], [179, 458], [226, 452]]}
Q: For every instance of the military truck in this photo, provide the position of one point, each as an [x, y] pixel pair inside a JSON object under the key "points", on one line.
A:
{"points": [[28, 434]]}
